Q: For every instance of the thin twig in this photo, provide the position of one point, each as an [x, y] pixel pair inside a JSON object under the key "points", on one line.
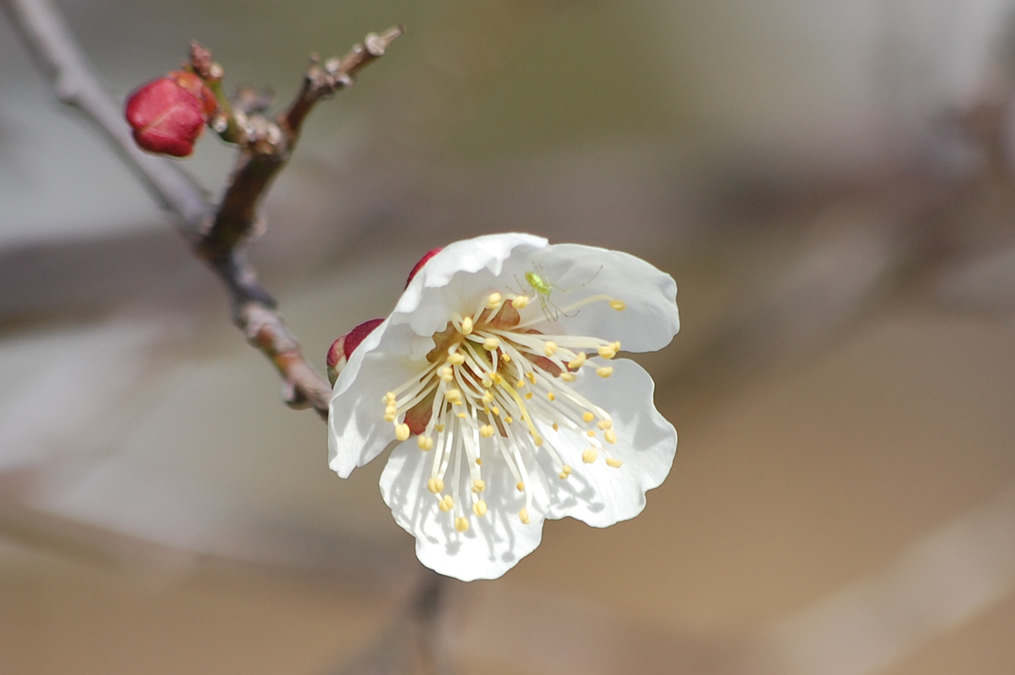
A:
{"points": [[215, 235]]}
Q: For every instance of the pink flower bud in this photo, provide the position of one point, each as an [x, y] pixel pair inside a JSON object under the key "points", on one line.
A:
{"points": [[169, 114], [342, 348], [422, 261]]}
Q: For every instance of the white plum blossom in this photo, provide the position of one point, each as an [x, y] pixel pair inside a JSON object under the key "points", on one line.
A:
{"points": [[496, 381]]}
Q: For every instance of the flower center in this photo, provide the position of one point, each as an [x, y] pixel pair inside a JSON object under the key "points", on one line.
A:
{"points": [[496, 387]]}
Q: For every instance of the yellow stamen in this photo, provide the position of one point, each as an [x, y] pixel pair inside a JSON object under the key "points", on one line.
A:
{"points": [[467, 325], [456, 359], [568, 377], [520, 486], [604, 371], [478, 485], [617, 304], [461, 524], [402, 432], [520, 301], [577, 361], [614, 462], [425, 443], [486, 431], [590, 455], [491, 344], [523, 516], [479, 508], [610, 435], [550, 348], [494, 300], [435, 485]]}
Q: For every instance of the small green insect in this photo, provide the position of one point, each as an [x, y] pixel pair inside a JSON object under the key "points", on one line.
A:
{"points": [[543, 288]]}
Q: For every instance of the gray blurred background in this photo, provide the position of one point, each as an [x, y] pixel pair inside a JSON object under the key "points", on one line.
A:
{"points": [[830, 184]]}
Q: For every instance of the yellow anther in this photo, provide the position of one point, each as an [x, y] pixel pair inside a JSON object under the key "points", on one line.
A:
{"points": [[537, 440], [506, 358], [590, 455], [550, 348], [568, 377], [617, 304], [607, 351], [498, 379], [605, 424], [519, 384], [439, 428], [610, 435], [478, 485], [567, 469], [467, 325], [461, 415], [491, 344], [447, 374], [495, 410], [487, 397], [390, 416], [453, 395], [590, 433], [447, 503], [555, 427], [550, 396], [486, 431], [494, 300], [435, 485], [389, 397], [520, 486], [562, 475], [456, 359], [479, 460], [479, 508], [577, 362], [616, 346], [531, 377], [614, 462], [508, 419], [461, 524], [523, 516], [425, 443], [604, 371], [402, 432], [520, 301], [528, 396]]}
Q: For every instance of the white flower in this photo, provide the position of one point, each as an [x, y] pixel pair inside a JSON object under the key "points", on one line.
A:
{"points": [[495, 379]]}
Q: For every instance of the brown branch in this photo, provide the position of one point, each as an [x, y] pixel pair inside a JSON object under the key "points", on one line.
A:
{"points": [[216, 235]]}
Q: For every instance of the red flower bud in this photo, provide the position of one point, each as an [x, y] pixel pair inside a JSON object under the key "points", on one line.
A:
{"points": [[342, 348], [422, 261], [169, 114]]}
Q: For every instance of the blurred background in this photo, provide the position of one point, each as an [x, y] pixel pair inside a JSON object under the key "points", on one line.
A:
{"points": [[831, 186]]}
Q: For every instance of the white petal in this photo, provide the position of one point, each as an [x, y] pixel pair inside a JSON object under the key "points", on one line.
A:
{"points": [[357, 431], [454, 279], [598, 494], [493, 544], [650, 320]]}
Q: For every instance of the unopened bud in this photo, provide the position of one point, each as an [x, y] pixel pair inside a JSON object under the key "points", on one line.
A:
{"points": [[342, 348], [167, 115]]}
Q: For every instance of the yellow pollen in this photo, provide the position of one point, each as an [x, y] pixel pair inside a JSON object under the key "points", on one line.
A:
{"points": [[456, 359], [487, 398], [390, 417], [519, 384], [610, 435], [478, 485], [520, 301], [508, 419], [494, 300], [523, 516], [439, 428], [498, 379], [425, 443], [616, 346], [453, 395], [479, 508], [577, 361], [537, 440], [461, 523], [590, 455], [528, 396], [555, 427], [614, 462], [462, 415], [506, 358], [486, 431], [479, 460], [486, 382], [550, 396], [588, 417], [590, 433], [520, 486], [566, 469], [562, 475], [604, 371], [491, 344], [605, 424], [495, 410], [447, 374], [531, 377], [568, 377], [467, 325], [607, 351], [402, 432], [447, 503], [435, 485], [617, 304], [550, 348]]}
